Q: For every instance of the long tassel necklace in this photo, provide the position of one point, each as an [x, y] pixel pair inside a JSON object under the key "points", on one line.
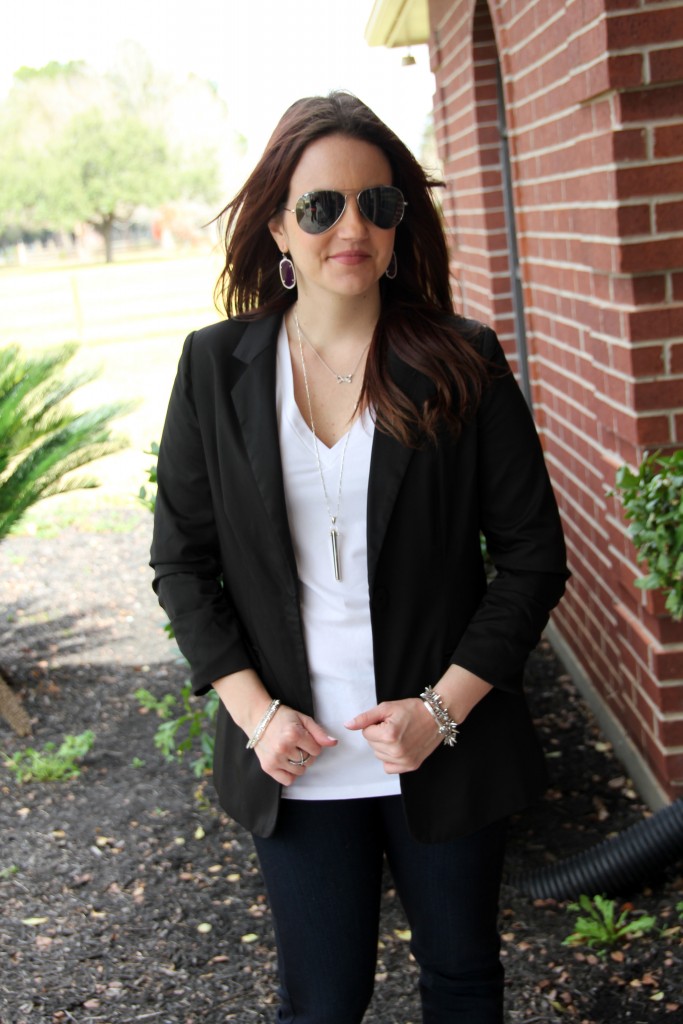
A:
{"points": [[333, 516]]}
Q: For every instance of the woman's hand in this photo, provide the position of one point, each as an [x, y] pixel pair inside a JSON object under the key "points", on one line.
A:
{"points": [[402, 733], [290, 737]]}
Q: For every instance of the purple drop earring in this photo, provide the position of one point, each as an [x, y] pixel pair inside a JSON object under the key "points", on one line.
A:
{"points": [[392, 269], [287, 272]]}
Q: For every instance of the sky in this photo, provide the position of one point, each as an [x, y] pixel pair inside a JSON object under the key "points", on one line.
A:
{"points": [[261, 54]]}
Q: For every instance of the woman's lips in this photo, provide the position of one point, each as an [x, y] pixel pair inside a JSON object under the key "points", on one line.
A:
{"points": [[350, 258]]}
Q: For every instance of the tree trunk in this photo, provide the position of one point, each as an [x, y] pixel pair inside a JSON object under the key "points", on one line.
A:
{"points": [[12, 711], [108, 232], [105, 227]]}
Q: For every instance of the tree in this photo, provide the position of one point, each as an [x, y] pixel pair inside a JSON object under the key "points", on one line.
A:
{"points": [[42, 442], [104, 168], [42, 101], [42, 439], [78, 146], [22, 191]]}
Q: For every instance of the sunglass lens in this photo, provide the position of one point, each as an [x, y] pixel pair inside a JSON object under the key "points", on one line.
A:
{"points": [[318, 211], [383, 206]]}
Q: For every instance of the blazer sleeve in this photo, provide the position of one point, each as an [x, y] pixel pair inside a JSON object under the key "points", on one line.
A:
{"points": [[519, 519], [185, 551]]}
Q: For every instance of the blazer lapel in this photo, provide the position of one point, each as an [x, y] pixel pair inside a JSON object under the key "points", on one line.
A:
{"points": [[254, 399], [389, 463]]}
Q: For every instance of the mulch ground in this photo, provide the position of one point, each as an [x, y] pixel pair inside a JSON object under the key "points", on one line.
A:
{"points": [[127, 895]]}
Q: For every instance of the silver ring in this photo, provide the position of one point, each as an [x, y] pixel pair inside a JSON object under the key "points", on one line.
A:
{"points": [[303, 759]]}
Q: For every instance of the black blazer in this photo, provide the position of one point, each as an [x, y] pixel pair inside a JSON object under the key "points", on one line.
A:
{"points": [[225, 571]]}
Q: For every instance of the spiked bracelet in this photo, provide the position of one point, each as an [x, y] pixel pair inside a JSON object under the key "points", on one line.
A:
{"points": [[263, 724], [448, 729]]}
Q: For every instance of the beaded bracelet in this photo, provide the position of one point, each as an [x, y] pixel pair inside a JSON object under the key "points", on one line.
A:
{"points": [[263, 724], [448, 729]]}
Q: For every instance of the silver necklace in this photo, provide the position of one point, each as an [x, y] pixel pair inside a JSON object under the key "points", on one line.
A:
{"points": [[333, 517], [341, 378]]}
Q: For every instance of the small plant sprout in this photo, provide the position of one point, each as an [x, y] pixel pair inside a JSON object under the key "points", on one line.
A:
{"points": [[52, 763], [599, 927]]}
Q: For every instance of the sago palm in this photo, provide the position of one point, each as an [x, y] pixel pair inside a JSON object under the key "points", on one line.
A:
{"points": [[42, 438]]}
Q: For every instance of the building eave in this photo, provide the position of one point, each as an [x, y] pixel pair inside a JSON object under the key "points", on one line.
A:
{"points": [[398, 23]]}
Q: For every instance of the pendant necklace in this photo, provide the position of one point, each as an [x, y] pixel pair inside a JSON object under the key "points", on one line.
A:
{"points": [[333, 516], [341, 378]]}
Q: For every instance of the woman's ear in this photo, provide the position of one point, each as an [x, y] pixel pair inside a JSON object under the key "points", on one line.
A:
{"points": [[277, 230]]}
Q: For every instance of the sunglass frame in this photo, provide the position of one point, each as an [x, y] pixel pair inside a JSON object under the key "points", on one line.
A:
{"points": [[302, 207]]}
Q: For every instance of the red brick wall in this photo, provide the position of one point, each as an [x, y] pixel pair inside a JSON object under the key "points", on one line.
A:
{"points": [[470, 146], [594, 101]]}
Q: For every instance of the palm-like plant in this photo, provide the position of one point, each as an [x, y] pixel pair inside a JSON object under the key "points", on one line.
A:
{"points": [[42, 439]]}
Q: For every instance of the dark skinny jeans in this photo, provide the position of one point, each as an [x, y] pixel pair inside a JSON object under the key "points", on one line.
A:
{"points": [[323, 873]]}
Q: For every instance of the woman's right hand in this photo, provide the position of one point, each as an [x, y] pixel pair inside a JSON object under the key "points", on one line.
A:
{"points": [[289, 737]]}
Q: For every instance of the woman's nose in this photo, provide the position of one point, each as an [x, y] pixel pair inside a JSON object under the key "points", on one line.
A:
{"points": [[352, 222]]}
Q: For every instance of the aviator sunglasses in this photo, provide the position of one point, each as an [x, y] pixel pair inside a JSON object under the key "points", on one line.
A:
{"points": [[320, 210]]}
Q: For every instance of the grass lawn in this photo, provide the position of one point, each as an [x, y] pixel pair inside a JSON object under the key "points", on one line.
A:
{"points": [[130, 319]]}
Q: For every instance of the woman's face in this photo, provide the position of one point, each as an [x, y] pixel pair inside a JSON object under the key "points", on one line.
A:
{"points": [[349, 258]]}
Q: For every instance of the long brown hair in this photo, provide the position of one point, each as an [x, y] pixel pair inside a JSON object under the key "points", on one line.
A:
{"points": [[416, 319]]}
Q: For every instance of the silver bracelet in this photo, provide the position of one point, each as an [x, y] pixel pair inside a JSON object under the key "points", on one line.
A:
{"points": [[263, 724], [448, 729]]}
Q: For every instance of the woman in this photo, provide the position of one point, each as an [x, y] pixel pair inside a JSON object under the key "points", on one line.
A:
{"points": [[330, 457]]}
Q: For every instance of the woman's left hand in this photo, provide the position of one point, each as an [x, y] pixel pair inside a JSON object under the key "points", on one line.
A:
{"points": [[402, 733]]}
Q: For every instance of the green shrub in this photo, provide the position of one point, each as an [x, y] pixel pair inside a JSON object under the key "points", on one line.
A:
{"points": [[52, 763], [42, 439], [652, 499], [192, 729]]}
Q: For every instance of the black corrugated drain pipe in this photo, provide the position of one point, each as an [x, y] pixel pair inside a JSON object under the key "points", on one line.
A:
{"points": [[615, 866]]}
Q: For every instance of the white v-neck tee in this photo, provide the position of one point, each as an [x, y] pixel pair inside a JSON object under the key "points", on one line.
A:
{"points": [[335, 613]]}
